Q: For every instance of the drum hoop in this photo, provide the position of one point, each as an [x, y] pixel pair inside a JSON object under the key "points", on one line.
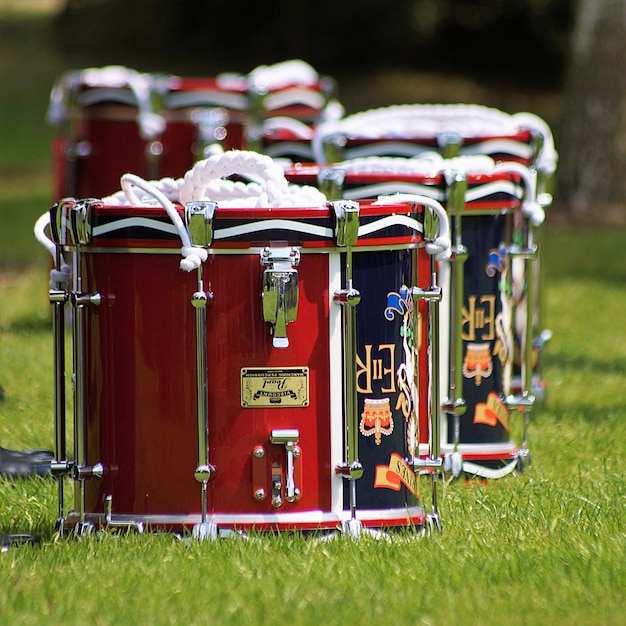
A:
{"points": [[309, 520], [206, 98]]}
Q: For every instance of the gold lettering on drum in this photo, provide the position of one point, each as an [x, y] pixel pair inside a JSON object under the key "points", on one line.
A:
{"points": [[381, 368], [479, 318]]}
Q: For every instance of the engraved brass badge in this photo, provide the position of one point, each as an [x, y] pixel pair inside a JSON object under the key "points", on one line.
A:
{"points": [[274, 388]]}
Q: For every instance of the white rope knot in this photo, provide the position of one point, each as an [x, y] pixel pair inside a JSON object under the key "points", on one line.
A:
{"points": [[59, 277], [193, 257], [440, 248], [534, 212]]}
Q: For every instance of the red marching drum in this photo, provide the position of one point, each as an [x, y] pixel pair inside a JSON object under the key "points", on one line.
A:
{"points": [[101, 113], [226, 398], [287, 101], [201, 114]]}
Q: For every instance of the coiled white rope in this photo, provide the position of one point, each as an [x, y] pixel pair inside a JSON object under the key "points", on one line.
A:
{"points": [[205, 182], [281, 75], [428, 120], [440, 247], [426, 164], [269, 187], [435, 164]]}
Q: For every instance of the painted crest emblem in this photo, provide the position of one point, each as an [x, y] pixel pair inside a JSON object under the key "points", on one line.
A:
{"points": [[477, 363], [376, 419]]}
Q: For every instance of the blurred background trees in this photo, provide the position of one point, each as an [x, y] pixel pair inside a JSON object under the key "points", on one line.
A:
{"points": [[573, 49]]}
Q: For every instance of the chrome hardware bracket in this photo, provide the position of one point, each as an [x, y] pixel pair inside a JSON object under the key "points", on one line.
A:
{"points": [[347, 233], [210, 123], [289, 438], [280, 290], [111, 522], [58, 297], [450, 144], [330, 181], [199, 220], [455, 404], [432, 295]]}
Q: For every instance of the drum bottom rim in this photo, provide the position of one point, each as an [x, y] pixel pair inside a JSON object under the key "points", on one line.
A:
{"points": [[409, 517], [502, 451]]}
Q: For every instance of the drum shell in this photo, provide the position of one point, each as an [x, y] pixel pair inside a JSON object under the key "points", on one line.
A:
{"points": [[140, 389]]}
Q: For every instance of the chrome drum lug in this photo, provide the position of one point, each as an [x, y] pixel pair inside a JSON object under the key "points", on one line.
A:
{"points": [[280, 291]]}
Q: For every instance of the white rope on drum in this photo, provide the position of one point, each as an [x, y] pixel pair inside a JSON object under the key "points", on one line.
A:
{"points": [[426, 164], [193, 256], [408, 121], [199, 179], [268, 186], [60, 275], [435, 164], [281, 75], [440, 247], [205, 182], [530, 206]]}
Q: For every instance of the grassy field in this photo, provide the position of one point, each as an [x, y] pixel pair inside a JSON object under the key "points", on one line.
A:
{"points": [[543, 547]]}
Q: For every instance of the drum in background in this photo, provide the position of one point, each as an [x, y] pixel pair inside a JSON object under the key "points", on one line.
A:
{"points": [[287, 101], [106, 126], [201, 115], [454, 130], [392, 375], [450, 130], [274, 285], [491, 208]]}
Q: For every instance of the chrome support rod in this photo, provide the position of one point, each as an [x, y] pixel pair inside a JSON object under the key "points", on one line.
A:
{"points": [[455, 402], [347, 214], [58, 333], [435, 403], [434, 462], [79, 383], [58, 297], [80, 222], [204, 471], [525, 401], [199, 222]]}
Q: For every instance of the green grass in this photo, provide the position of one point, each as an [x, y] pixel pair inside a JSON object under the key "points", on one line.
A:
{"points": [[537, 548], [543, 547]]}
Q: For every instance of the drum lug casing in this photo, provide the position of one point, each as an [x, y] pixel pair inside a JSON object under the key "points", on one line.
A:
{"points": [[199, 222], [280, 291]]}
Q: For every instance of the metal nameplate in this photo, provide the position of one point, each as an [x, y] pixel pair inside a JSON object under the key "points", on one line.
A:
{"points": [[274, 388]]}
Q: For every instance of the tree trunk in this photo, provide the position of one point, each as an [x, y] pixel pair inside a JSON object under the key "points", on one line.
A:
{"points": [[592, 138]]}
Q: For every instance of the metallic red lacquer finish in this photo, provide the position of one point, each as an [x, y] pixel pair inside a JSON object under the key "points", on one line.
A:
{"points": [[141, 416]]}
